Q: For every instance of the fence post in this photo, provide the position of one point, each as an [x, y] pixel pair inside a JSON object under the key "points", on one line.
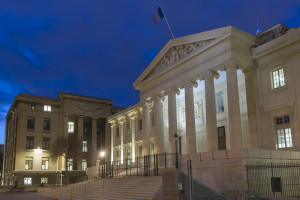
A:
{"points": [[157, 165], [190, 179], [137, 166], [154, 165], [247, 176]]}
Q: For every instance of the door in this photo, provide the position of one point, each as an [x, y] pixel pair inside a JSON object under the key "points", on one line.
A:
{"points": [[221, 138]]}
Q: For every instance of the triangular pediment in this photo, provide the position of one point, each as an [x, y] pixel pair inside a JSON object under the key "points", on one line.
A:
{"points": [[180, 49]]}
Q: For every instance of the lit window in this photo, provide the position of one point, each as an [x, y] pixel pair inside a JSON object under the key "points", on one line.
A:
{"points": [[47, 108], [118, 157], [44, 180], [28, 163], [31, 106], [70, 164], [29, 142], [30, 123], [27, 181], [84, 146], [46, 125], [219, 102], [45, 163], [84, 164], [277, 78], [70, 127], [128, 156], [283, 131], [128, 128], [46, 143]]}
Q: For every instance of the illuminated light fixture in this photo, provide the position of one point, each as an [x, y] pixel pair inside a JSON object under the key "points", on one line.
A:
{"points": [[102, 154], [38, 151]]}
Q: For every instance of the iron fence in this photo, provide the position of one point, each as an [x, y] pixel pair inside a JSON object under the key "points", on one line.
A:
{"points": [[150, 165], [274, 179]]}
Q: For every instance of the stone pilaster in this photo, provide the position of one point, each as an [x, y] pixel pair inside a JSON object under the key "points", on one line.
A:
{"points": [[158, 125], [107, 142], [211, 118], [235, 128], [191, 146], [172, 114], [251, 107], [146, 129], [66, 120], [94, 152]]}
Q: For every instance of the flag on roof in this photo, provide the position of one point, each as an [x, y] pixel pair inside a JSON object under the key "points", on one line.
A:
{"points": [[158, 15]]}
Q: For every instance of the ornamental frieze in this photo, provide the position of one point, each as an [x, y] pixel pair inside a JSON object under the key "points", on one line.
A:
{"points": [[178, 53]]}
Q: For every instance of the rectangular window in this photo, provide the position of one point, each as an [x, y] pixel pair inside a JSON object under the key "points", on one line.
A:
{"points": [[219, 102], [128, 128], [118, 156], [44, 180], [140, 125], [277, 78], [46, 143], [31, 106], [84, 146], [117, 132], [30, 123], [85, 129], [70, 164], [141, 154], [28, 163], [47, 108], [283, 131], [27, 181], [29, 142], [128, 156], [84, 164], [45, 163], [70, 127], [46, 126]]}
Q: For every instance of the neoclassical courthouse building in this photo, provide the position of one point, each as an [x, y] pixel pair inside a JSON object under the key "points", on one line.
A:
{"points": [[233, 98]]}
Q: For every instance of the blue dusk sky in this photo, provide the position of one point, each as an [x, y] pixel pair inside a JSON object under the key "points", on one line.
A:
{"points": [[98, 48]]}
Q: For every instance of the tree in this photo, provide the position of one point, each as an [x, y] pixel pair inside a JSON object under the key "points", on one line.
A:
{"points": [[68, 148]]}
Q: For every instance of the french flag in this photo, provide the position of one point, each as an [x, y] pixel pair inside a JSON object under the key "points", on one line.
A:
{"points": [[158, 15]]}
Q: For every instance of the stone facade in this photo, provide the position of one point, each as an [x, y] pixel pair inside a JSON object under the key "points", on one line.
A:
{"points": [[34, 123], [222, 91]]}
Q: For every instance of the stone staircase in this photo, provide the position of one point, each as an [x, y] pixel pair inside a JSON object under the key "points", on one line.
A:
{"points": [[112, 189]]}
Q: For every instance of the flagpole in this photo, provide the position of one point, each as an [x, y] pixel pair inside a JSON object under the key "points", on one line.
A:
{"points": [[167, 22]]}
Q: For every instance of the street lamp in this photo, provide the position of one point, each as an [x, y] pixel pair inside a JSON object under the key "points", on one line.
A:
{"points": [[102, 154], [176, 144]]}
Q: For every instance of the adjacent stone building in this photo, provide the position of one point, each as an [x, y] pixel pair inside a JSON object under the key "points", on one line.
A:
{"points": [[233, 99], [33, 126]]}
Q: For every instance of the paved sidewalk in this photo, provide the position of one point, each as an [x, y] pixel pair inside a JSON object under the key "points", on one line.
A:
{"points": [[22, 195]]}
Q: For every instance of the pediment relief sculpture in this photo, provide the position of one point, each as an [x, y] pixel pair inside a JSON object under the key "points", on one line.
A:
{"points": [[178, 53], [86, 109]]}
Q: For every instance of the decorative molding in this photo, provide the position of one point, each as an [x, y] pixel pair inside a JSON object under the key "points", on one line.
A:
{"points": [[172, 90], [209, 73], [176, 54], [191, 83]]}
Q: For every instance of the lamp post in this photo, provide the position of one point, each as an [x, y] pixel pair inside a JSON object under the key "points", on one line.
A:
{"points": [[102, 154], [176, 151]]}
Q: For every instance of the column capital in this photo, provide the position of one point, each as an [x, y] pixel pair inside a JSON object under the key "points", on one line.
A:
{"points": [[159, 97], [189, 83], [228, 64], [171, 91], [209, 74]]}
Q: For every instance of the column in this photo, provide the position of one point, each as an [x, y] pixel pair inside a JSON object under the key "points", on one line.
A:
{"points": [[80, 129], [66, 121], [112, 132], [122, 140], [107, 142], [211, 118], [158, 125], [251, 107], [94, 152], [172, 114], [190, 118], [235, 128], [146, 129], [132, 131], [80, 139]]}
